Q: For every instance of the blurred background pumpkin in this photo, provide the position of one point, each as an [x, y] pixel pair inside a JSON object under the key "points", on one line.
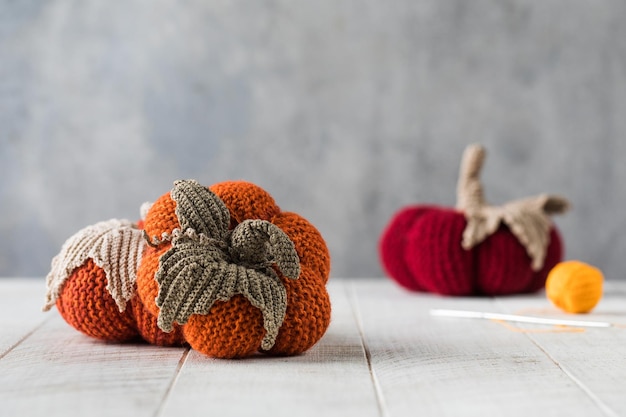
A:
{"points": [[475, 248]]}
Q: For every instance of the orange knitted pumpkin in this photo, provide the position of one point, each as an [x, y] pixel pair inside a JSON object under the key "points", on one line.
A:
{"points": [[222, 269]]}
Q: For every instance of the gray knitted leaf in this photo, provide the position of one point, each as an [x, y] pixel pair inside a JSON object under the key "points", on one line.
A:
{"points": [[193, 275], [267, 293], [261, 242], [200, 209], [183, 280]]}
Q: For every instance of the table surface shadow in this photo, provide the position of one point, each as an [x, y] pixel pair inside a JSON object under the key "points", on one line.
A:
{"points": [[384, 354]]}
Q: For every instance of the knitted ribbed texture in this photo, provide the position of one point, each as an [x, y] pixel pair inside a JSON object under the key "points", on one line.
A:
{"points": [[310, 246], [393, 244], [307, 316], [232, 329], [86, 304], [433, 252], [147, 286], [246, 201], [113, 245], [119, 257], [161, 217], [149, 330], [308, 309], [504, 264]]}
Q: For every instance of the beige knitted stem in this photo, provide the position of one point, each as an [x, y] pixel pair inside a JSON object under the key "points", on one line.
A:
{"points": [[207, 263], [114, 245], [469, 192], [527, 218]]}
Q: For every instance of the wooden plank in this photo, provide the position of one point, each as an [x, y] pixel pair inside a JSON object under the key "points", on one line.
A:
{"points": [[21, 300], [595, 359], [431, 366], [331, 379], [57, 371]]}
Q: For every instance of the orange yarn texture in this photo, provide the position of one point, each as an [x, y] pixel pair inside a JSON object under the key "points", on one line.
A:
{"points": [[232, 328], [574, 286], [86, 304]]}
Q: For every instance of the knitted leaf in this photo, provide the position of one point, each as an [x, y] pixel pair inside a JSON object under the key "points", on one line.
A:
{"points": [[119, 255], [199, 209], [114, 245], [261, 242], [185, 284]]}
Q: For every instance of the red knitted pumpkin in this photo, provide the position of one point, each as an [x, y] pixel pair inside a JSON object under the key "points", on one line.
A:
{"points": [[475, 249]]}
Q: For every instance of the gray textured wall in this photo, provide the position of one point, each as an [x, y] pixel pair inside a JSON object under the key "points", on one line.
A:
{"points": [[344, 110]]}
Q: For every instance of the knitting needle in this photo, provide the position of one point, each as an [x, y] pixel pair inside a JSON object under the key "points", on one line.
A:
{"points": [[516, 318]]}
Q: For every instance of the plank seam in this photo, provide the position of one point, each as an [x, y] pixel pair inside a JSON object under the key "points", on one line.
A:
{"points": [[593, 397], [26, 336], [173, 381], [380, 399]]}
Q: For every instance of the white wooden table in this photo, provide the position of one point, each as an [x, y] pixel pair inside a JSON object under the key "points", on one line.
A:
{"points": [[383, 355]]}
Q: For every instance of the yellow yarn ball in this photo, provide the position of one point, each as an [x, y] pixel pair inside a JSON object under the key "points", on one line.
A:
{"points": [[574, 286]]}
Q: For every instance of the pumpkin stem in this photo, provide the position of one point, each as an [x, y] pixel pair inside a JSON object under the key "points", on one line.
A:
{"points": [[469, 192], [528, 219]]}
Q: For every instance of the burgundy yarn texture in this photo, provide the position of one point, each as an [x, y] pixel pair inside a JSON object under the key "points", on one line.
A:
{"points": [[421, 250]]}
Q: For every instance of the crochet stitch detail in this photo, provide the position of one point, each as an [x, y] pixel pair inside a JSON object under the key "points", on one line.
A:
{"points": [[209, 263], [114, 245], [527, 218], [199, 209]]}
